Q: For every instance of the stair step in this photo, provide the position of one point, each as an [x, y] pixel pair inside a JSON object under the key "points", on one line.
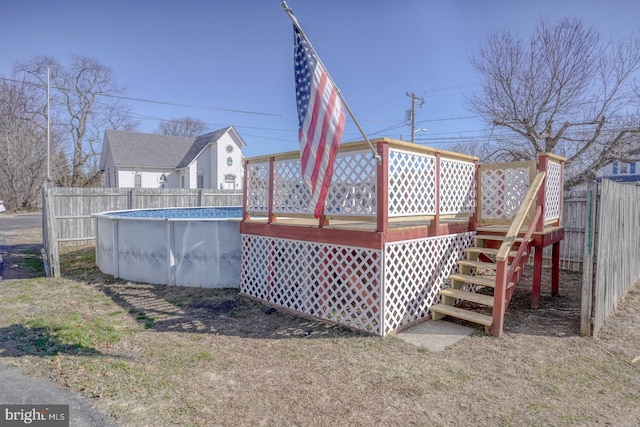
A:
{"points": [[460, 313], [486, 251], [499, 237], [481, 250], [500, 230], [478, 264], [468, 296], [478, 280]]}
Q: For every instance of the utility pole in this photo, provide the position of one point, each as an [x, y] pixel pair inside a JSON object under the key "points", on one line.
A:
{"points": [[48, 127], [412, 112]]}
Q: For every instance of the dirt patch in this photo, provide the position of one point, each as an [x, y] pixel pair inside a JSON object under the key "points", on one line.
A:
{"points": [[212, 311], [21, 255], [161, 355], [21, 262], [556, 316]]}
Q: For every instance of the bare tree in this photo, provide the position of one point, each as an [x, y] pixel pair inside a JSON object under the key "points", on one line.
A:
{"points": [[83, 103], [564, 91], [23, 145], [183, 126]]}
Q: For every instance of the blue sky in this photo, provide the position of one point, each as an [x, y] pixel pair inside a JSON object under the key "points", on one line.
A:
{"points": [[212, 56]]}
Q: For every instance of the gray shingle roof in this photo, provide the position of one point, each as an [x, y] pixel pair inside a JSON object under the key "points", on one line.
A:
{"points": [[138, 149], [200, 144]]}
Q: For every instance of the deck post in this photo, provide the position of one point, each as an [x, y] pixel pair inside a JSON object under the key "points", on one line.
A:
{"points": [[555, 269], [270, 217], [541, 201], [536, 286], [245, 179], [382, 191], [537, 278], [555, 255], [499, 296], [435, 222], [473, 220]]}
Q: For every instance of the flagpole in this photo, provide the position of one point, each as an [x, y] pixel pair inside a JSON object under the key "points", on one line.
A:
{"points": [[344, 102], [48, 128]]}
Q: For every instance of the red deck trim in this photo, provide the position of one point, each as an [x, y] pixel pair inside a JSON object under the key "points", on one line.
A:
{"points": [[542, 240], [334, 236]]}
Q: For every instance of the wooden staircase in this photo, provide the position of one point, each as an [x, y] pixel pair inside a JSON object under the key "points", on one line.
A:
{"points": [[491, 269]]}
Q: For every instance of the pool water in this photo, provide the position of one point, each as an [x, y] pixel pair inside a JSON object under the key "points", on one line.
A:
{"points": [[209, 212]]}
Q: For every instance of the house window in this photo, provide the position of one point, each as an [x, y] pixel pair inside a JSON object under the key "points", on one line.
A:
{"points": [[615, 168], [137, 180], [200, 180], [108, 178], [230, 182], [624, 167], [181, 181], [632, 168]]}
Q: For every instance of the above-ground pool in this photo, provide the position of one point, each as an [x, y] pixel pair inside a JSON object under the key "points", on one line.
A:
{"points": [[176, 246]]}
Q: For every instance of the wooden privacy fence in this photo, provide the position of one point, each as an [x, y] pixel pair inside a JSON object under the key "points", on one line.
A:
{"points": [[617, 265], [574, 211], [66, 211], [72, 208]]}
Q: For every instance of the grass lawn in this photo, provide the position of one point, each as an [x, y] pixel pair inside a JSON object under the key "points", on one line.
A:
{"points": [[160, 355]]}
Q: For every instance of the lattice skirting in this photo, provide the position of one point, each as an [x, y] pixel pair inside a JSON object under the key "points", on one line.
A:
{"points": [[415, 272], [370, 290]]}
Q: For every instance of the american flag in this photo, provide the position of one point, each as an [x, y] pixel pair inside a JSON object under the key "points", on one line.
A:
{"points": [[321, 120]]}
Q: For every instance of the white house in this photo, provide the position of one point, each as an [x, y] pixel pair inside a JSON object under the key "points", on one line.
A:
{"points": [[144, 160], [621, 172]]}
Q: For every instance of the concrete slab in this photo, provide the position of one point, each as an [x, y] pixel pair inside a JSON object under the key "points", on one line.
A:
{"points": [[435, 335]]}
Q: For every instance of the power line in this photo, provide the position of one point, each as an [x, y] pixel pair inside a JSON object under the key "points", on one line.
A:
{"points": [[395, 123], [173, 104], [150, 101]]}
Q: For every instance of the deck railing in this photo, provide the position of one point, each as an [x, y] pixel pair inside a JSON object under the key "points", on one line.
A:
{"points": [[412, 181], [503, 187]]}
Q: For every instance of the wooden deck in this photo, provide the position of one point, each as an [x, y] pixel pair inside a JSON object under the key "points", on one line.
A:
{"points": [[359, 224]]}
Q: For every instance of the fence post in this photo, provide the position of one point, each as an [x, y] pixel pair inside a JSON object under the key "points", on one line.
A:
{"points": [[586, 304], [52, 233], [45, 244]]}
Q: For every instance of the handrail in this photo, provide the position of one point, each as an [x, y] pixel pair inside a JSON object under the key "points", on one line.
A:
{"points": [[361, 145], [518, 220], [527, 236]]}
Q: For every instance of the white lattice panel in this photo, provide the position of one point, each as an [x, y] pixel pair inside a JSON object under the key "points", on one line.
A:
{"points": [[457, 187], [257, 187], [290, 193], [353, 188], [503, 190], [341, 284], [412, 184], [414, 273], [552, 191]]}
